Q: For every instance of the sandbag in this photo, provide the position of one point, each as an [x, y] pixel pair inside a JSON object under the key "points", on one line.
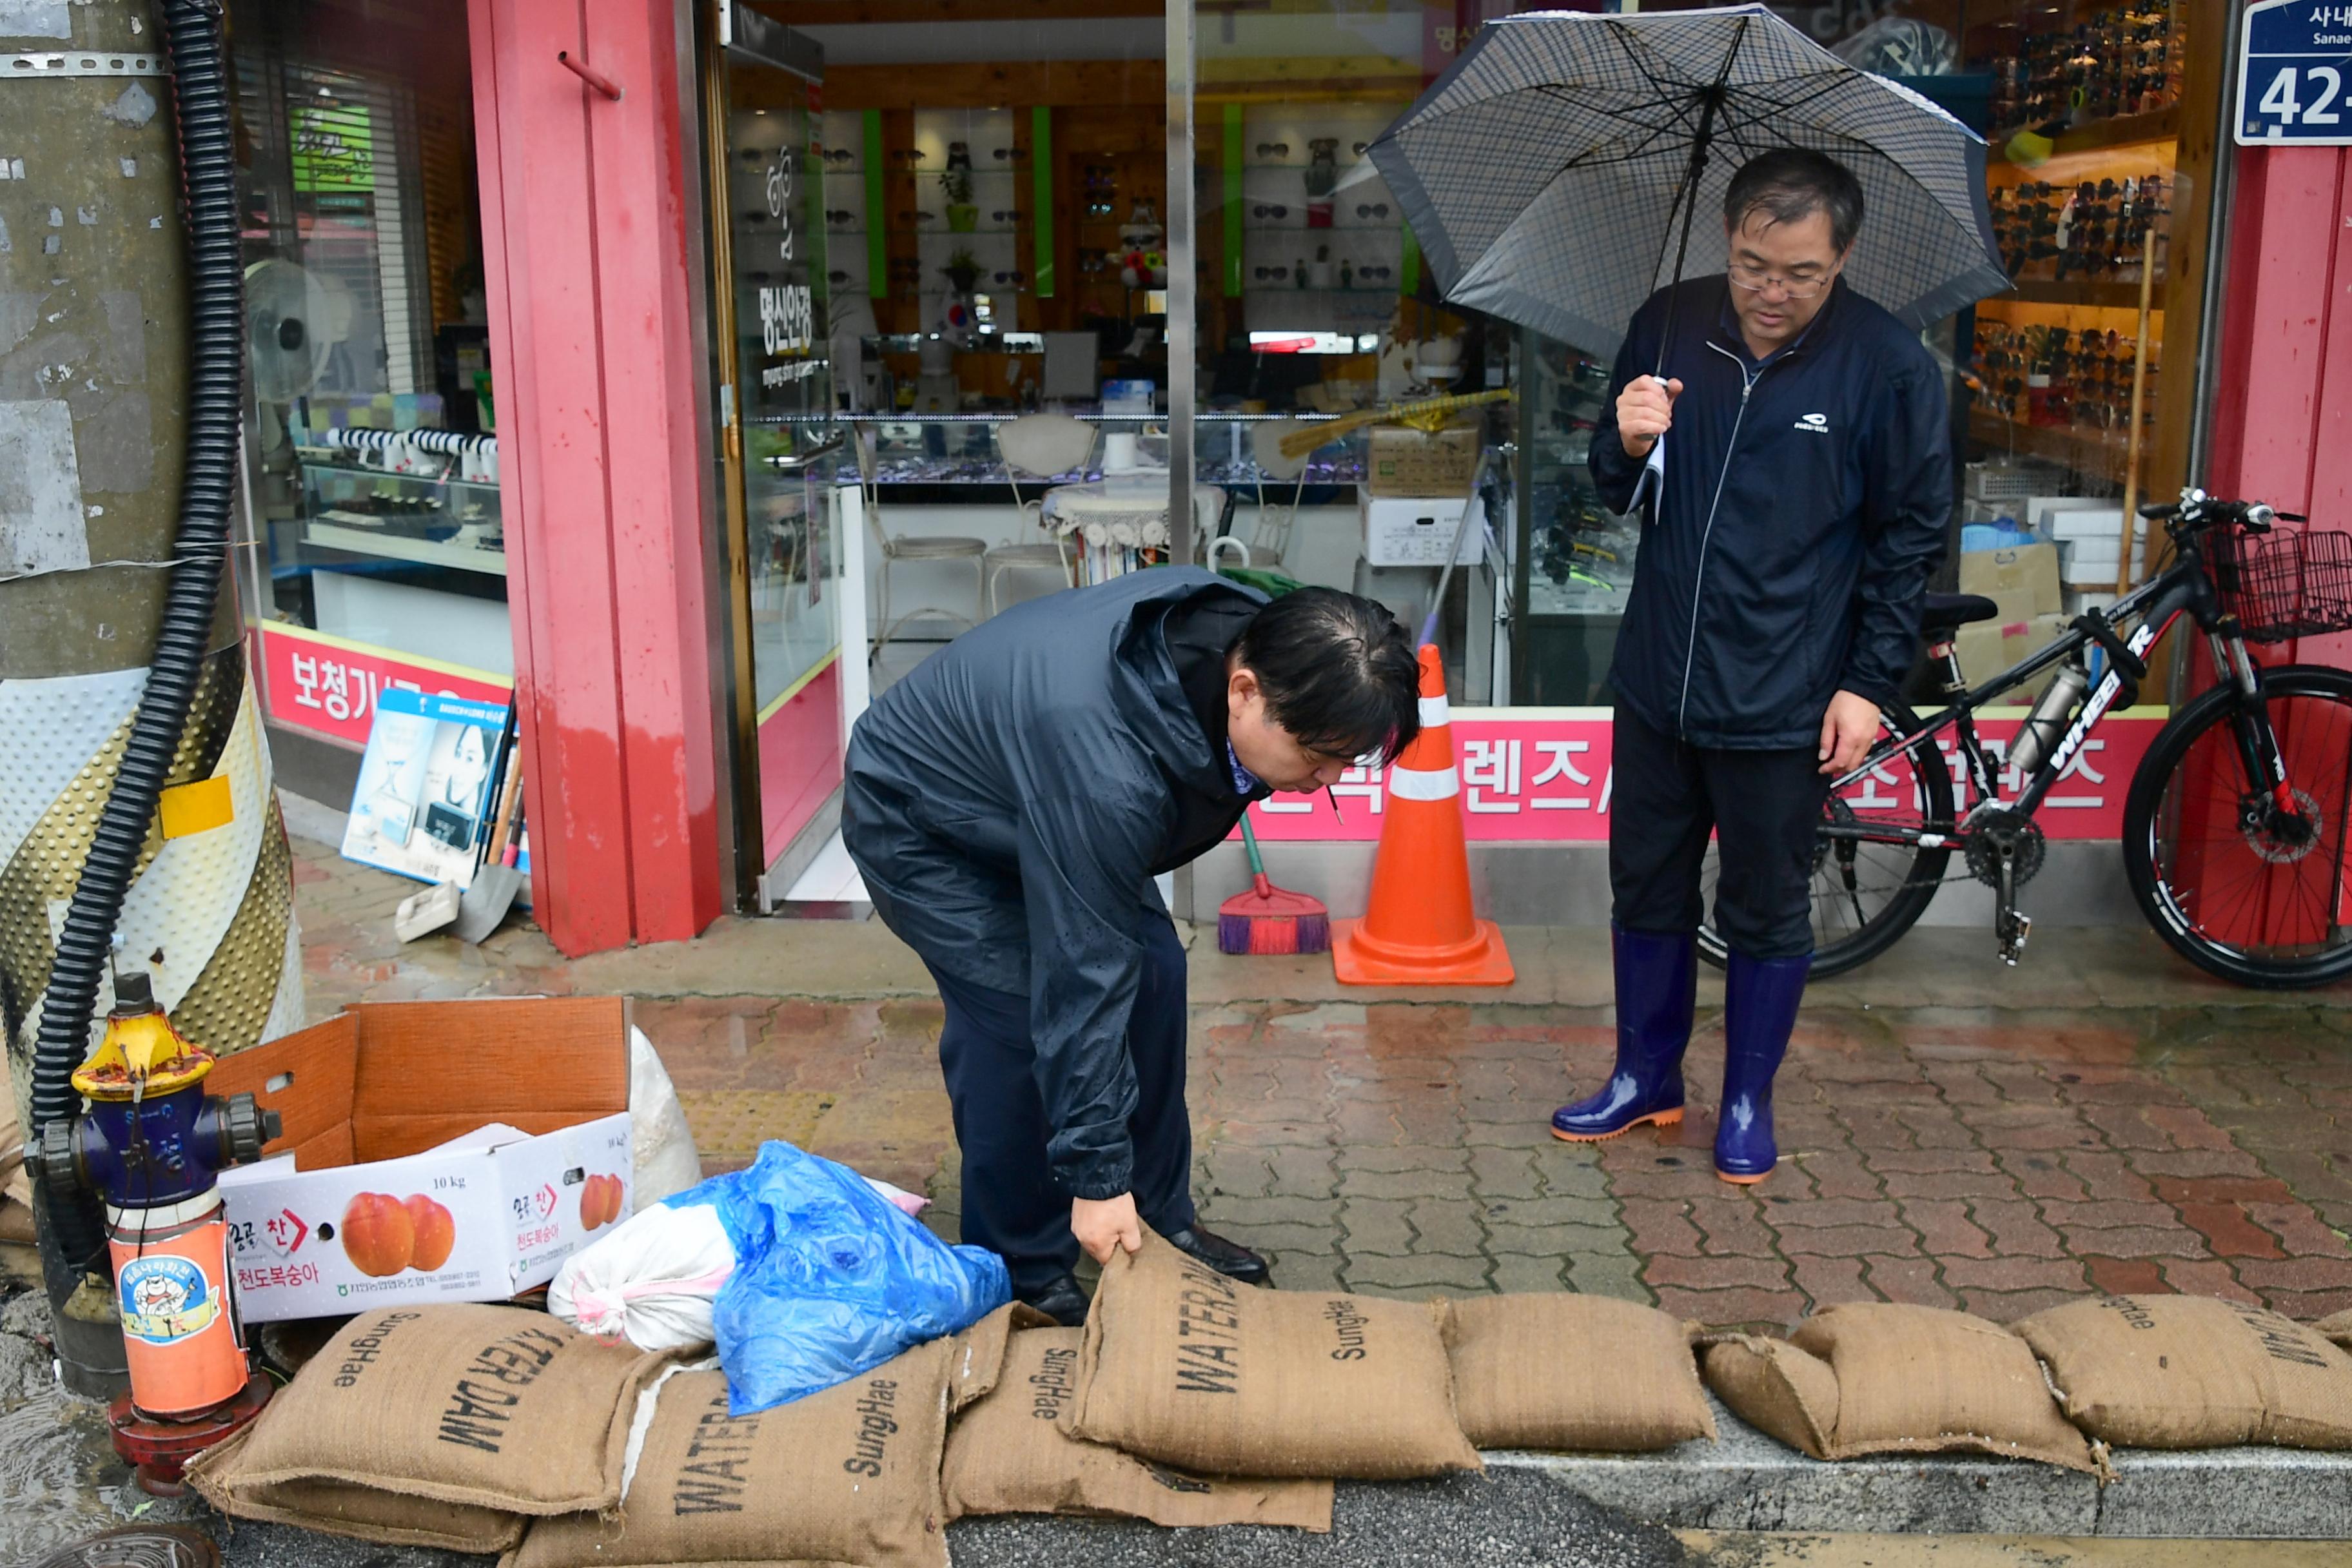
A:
{"points": [[432, 1409], [2189, 1372], [1010, 1453], [978, 1361], [1185, 1367], [1557, 1369], [850, 1476], [336, 1507], [2336, 1329], [1877, 1377]]}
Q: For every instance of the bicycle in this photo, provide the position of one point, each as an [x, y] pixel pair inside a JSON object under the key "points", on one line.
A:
{"points": [[2234, 826]]}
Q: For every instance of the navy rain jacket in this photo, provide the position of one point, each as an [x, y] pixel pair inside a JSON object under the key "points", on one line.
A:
{"points": [[1805, 504], [1008, 804]]}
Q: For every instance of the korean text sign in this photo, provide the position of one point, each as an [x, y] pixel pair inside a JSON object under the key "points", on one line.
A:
{"points": [[1548, 779]]}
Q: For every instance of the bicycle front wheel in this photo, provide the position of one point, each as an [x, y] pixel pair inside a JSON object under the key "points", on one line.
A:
{"points": [[1872, 878], [2243, 885]]}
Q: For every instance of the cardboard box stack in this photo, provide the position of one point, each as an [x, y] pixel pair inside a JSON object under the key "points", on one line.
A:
{"points": [[2023, 581]]}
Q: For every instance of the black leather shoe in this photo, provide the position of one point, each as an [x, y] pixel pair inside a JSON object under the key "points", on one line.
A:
{"points": [[1060, 1300], [1228, 1257]]}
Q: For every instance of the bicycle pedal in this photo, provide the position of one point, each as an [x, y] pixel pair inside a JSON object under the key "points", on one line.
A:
{"points": [[2013, 941]]}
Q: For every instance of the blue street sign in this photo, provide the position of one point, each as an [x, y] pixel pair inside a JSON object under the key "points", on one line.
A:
{"points": [[2295, 74]]}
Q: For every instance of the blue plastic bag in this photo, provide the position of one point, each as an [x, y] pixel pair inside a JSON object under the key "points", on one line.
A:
{"points": [[831, 1278]]}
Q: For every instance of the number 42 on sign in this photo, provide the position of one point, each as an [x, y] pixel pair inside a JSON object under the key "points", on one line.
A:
{"points": [[2294, 70]]}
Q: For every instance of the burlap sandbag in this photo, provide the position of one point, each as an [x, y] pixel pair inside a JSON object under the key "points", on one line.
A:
{"points": [[850, 1476], [2189, 1372], [1875, 1378], [496, 1408], [1557, 1369], [1185, 1367], [339, 1509], [2338, 1328], [979, 1357], [1010, 1454]]}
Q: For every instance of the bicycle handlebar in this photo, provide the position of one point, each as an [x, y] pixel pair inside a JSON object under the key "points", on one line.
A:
{"points": [[2196, 512]]}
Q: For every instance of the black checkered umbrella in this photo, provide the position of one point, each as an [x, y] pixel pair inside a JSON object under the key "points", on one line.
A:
{"points": [[1552, 176]]}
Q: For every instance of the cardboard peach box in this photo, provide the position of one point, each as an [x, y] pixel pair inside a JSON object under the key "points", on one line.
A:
{"points": [[430, 1151]]}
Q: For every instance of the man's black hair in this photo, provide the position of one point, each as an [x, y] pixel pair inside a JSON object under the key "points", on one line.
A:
{"points": [[1338, 671], [1791, 184]]}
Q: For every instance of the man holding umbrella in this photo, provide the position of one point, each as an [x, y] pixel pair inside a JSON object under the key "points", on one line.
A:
{"points": [[1788, 441]]}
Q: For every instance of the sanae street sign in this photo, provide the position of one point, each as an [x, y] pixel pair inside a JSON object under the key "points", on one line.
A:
{"points": [[2295, 74]]}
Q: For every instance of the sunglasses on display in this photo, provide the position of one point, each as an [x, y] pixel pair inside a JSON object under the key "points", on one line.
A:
{"points": [[1014, 277], [1274, 149], [840, 217], [1098, 209], [1275, 273], [1008, 215], [1372, 209], [839, 154], [1277, 210], [1381, 273], [1005, 154], [908, 155]]}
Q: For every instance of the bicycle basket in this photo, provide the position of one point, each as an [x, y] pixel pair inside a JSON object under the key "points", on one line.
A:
{"points": [[2283, 584]]}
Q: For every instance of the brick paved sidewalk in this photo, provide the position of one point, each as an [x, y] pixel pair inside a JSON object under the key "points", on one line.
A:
{"points": [[1996, 1159]]}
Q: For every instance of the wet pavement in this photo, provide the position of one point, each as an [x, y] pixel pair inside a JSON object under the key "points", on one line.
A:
{"points": [[1954, 1133]]}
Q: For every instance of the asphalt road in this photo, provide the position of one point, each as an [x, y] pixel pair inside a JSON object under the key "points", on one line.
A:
{"points": [[1513, 1518]]}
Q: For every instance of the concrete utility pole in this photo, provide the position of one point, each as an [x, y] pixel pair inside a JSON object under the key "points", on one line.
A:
{"points": [[93, 386]]}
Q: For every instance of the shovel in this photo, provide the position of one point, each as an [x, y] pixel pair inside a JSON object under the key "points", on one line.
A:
{"points": [[486, 903]]}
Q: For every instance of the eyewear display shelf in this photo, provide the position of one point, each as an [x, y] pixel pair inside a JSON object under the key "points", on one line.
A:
{"points": [[2055, 354], [953, 457], [414, 519], [1572, 559]]}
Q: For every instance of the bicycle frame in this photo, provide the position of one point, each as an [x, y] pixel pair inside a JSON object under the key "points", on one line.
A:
{"points": [[2182, 588]]}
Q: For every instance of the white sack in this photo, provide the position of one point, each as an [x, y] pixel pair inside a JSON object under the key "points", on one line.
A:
{"points": [[652, 1281], [665, 1159]]}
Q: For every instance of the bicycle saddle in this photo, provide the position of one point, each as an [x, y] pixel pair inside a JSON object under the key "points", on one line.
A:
{"points": [[1943, 611]]}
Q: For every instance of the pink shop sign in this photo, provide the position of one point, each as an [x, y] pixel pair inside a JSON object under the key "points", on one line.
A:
{"points": [[1546, 777]]}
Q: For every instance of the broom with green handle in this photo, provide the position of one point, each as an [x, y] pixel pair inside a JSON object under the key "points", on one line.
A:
{"points": [[1268, 918]]}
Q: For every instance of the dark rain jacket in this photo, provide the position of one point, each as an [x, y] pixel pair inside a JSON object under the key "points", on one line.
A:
{"points": [[1805, 504], [1010, 801]]}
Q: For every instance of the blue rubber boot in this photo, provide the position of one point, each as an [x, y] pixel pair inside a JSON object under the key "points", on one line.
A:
{"points": [[1657, 987], [1759, 1009]]}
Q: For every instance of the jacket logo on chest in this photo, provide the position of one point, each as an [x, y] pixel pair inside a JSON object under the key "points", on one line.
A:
{"points": [[1819, 424]]}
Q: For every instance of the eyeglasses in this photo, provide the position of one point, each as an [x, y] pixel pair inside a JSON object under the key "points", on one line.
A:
{"points": [[1002, 153], [1372, 209], [839, 154], [1274, 272], [1264, 210], [1274, 149], [1755, 281], [1008, 215], [1016, 276], [840, 217]]}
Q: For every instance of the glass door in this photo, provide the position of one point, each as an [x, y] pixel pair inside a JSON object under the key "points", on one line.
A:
{"points": [[778, 438]]}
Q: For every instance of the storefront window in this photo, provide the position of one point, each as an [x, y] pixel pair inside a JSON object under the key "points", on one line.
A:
{"points": [[377, 542]]}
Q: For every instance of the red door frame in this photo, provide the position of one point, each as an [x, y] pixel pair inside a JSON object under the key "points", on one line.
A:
{"points": [[587, 221]]}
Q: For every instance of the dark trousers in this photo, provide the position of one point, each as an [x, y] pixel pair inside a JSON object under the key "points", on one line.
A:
{"points": [[1764, 809], [1011, 1204]]}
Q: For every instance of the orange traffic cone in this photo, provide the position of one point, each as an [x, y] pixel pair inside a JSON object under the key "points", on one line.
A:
{"points": [[1418, 930]]}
